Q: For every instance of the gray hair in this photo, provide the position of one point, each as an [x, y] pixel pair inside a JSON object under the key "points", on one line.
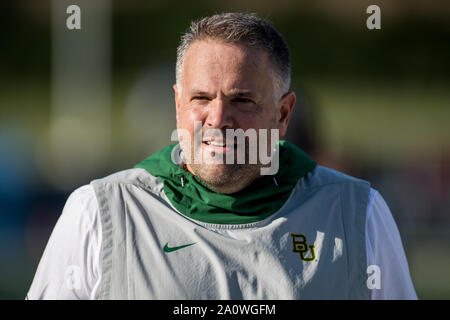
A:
{"points": [[243, 28]]}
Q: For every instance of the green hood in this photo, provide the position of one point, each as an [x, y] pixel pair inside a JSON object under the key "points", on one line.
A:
{"points": [[193, 198]]}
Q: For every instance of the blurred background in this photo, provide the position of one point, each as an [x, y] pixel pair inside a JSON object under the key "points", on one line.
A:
{"points": [[76, 105]]}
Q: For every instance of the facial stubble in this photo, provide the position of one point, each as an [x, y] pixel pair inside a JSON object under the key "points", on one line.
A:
{"points": [[226, 177]]}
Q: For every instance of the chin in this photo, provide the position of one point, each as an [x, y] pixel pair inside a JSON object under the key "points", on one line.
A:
{"points": [[226, 178], [215, 172]]}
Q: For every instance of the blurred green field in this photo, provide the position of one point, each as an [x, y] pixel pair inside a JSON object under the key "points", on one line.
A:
{"points": [[388, 120], [429, 266]]}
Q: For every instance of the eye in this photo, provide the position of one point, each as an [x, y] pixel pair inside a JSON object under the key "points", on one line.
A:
{"points": [[200, 98], [242, 100]]}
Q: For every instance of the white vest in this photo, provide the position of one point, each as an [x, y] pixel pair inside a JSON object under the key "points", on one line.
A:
{"points": [[312, 248]]}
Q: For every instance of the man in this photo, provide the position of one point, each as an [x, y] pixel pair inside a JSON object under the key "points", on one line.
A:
{"points": [[188, 223]]}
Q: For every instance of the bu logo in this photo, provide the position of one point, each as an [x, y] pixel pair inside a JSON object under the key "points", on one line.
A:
{"points": [[300, 246]]}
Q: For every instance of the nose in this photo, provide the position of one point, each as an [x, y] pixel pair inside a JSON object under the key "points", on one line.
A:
{"points": [[219, 115]]}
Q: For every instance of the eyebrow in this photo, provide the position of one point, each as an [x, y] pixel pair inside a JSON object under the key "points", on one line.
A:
{"points": [[198, 92], [242, 93], [233, 93]]}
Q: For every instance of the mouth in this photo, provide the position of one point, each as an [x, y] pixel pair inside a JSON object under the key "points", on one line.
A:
{"points": [[219, 145]]}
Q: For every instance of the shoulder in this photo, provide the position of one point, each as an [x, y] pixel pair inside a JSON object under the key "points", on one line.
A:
{"points": [[322, 176], [72, 251], [81, 200], [380, 222], [136, 176], [136, 185], [385, 250], [333, 189]]}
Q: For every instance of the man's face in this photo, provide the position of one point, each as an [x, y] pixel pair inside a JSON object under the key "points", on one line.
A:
{"points": [[227, 86]]}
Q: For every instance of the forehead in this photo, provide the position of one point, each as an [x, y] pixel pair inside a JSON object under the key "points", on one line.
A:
{"points": [[209, 63]]}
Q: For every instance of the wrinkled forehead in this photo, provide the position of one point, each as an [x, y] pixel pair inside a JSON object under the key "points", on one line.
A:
{"points": [[212, 63]]}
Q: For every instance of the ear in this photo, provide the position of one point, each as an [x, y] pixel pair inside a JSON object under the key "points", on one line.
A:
{"points": [[177, 100], [285, 107]]}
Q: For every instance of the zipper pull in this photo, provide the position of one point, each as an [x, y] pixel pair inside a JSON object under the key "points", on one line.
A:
{"points": [[275, 181], [182, 181]]}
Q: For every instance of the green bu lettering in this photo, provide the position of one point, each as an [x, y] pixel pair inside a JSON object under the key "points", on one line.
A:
{"points": [[300, 246]]}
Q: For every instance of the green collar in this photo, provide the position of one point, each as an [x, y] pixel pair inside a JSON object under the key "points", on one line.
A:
{"points": [[193, 198]]}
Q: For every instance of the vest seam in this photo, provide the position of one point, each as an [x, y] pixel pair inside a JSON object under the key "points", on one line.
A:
{"points": [[363, 251], [128, 273], [107, 244], [346, 242], [358, 266]]}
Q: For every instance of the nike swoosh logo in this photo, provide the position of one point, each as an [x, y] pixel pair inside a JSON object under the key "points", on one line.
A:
{"points": [[171, 249]]}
